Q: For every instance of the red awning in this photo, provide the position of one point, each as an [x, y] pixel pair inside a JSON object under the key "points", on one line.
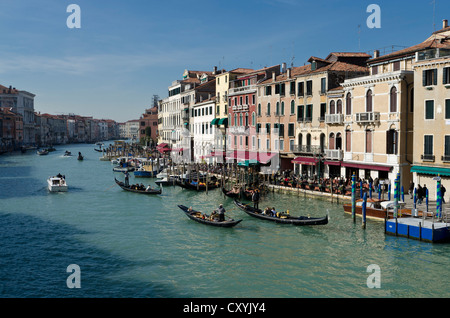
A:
{"points": [[162, 150], [332, 163], [265, 157], [162, 145], [366, 166], [311, 161], [242, 155]]}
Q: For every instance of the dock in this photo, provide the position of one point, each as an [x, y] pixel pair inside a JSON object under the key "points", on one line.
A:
{"points": [[419, 229]]}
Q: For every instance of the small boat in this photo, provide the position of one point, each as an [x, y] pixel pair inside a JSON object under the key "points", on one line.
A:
{"points": [[130, 189], [166, 181], [379, 209], [283, 218], [205, 219], [42, 152], [80, 157], [57, 184], [246, 194]]}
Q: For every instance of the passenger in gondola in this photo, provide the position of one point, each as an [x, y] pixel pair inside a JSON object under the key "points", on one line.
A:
{"points": [[273, 212], [149, 188]]}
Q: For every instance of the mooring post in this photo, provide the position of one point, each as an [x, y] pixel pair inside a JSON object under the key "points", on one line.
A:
{"points": [[354, 197], [364, 211]]}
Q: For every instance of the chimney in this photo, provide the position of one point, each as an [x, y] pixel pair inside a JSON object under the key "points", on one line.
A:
{"points": [[215, 70], [444, 23], [376, 54], [274, 76], [289, 73], [283, 68]]}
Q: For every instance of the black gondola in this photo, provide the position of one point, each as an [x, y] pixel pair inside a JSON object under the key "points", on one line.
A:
{"points": [[99, 150], [198, 216], [190, 186], [243, 194], [128, 188], [283, 218]]}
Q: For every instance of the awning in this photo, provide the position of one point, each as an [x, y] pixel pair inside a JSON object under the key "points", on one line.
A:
{"points": [[332, 163], [261, 157], [365, 166], [431, 170], [163, 150], [223, 121], [311, 161], [162, 145], [215, 121], [248, 163]]}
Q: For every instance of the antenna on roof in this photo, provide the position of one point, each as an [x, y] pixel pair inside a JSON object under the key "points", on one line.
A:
{"points": [[293, 54], [433, 2], [359, 37]]}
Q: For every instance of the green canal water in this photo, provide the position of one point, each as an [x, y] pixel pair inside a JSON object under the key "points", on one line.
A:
{"points": [[131, 245]]}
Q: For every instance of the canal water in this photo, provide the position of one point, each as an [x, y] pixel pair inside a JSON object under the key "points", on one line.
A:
{"points": [[131, 245]]}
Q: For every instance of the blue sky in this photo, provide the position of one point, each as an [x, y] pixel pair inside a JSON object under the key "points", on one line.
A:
{"points": [[126, 51]]}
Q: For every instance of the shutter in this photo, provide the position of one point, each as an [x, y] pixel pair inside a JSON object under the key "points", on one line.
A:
{"points": [[445, 75], [424, 78], [435, 76]]}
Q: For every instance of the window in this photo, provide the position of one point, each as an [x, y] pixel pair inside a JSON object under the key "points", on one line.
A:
{"points": [[282, 108], [429, 109], [246, 100], [348, 140], [428, 147], [339, 107], [267, 144], [268, 90], [396, 66], [429, 77], [446, 75], [292, 107], [259, 109], [446, 148], [374, 70], [268, 129], [240, 119], [323, 85], [253, 119], [301, 89], [300, 112], [391, 142], [323, 111], [368, 141], [331, 141], [277, 109], [268, 109], [309, 87], [332, 107], [291, 130], [369, 98], [447, 109], [348, 106], [240, 100], [292, 88], [291, 145], [393, 100], [309, 112], [253, 99]]}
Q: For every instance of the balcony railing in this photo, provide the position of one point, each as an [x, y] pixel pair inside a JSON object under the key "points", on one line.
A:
{"points": [[334, 154], [334, 119], [367, 118], [427, 157], [241, 90], [308, 149]]}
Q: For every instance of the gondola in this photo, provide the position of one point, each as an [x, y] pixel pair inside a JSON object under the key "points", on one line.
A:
{"points": [[190, 186], [284, 218], [245, 194], [128, 188], [198, 216]]}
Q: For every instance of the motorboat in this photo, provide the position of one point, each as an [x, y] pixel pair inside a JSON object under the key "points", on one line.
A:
{"points": [[57, 184], [67, 153], [42, 152]]}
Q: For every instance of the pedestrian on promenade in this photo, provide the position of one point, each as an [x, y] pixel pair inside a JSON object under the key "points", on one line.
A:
{"points": [[419, 194], [411, 189], [443, 193]]}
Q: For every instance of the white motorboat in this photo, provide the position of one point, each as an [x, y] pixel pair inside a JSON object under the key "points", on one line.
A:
{"points": [[57, 184]]}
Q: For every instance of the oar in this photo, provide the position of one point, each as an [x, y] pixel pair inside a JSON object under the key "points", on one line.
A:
{"points": [[110, 187]]}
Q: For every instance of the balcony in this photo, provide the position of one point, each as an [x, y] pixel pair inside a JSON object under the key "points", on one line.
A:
{"points": [[334, 154], [242, 90], [308, 149], [334, 119], [367, 118], [427, 157]]}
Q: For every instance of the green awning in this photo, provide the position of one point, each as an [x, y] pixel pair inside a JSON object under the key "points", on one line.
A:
{"points": [[248, 163], [431, 170], [215, 121], [223, 121]]}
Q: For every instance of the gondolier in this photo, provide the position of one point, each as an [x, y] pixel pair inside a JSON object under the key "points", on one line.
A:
{"points": [[255, 199], [221, 212]]}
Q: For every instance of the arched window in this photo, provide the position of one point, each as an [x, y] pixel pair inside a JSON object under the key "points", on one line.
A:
{"points": [[268, 109], [240, 119], [300, 140], [393, 98], [235, 119], [348, 140], [282, 108], [369, 98], [253, 119], [331, 141], [277, 110], [292, 107], [332, 107], [259, 109], [348, 106], [338, 141], [339, 107], [246, 119]]}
